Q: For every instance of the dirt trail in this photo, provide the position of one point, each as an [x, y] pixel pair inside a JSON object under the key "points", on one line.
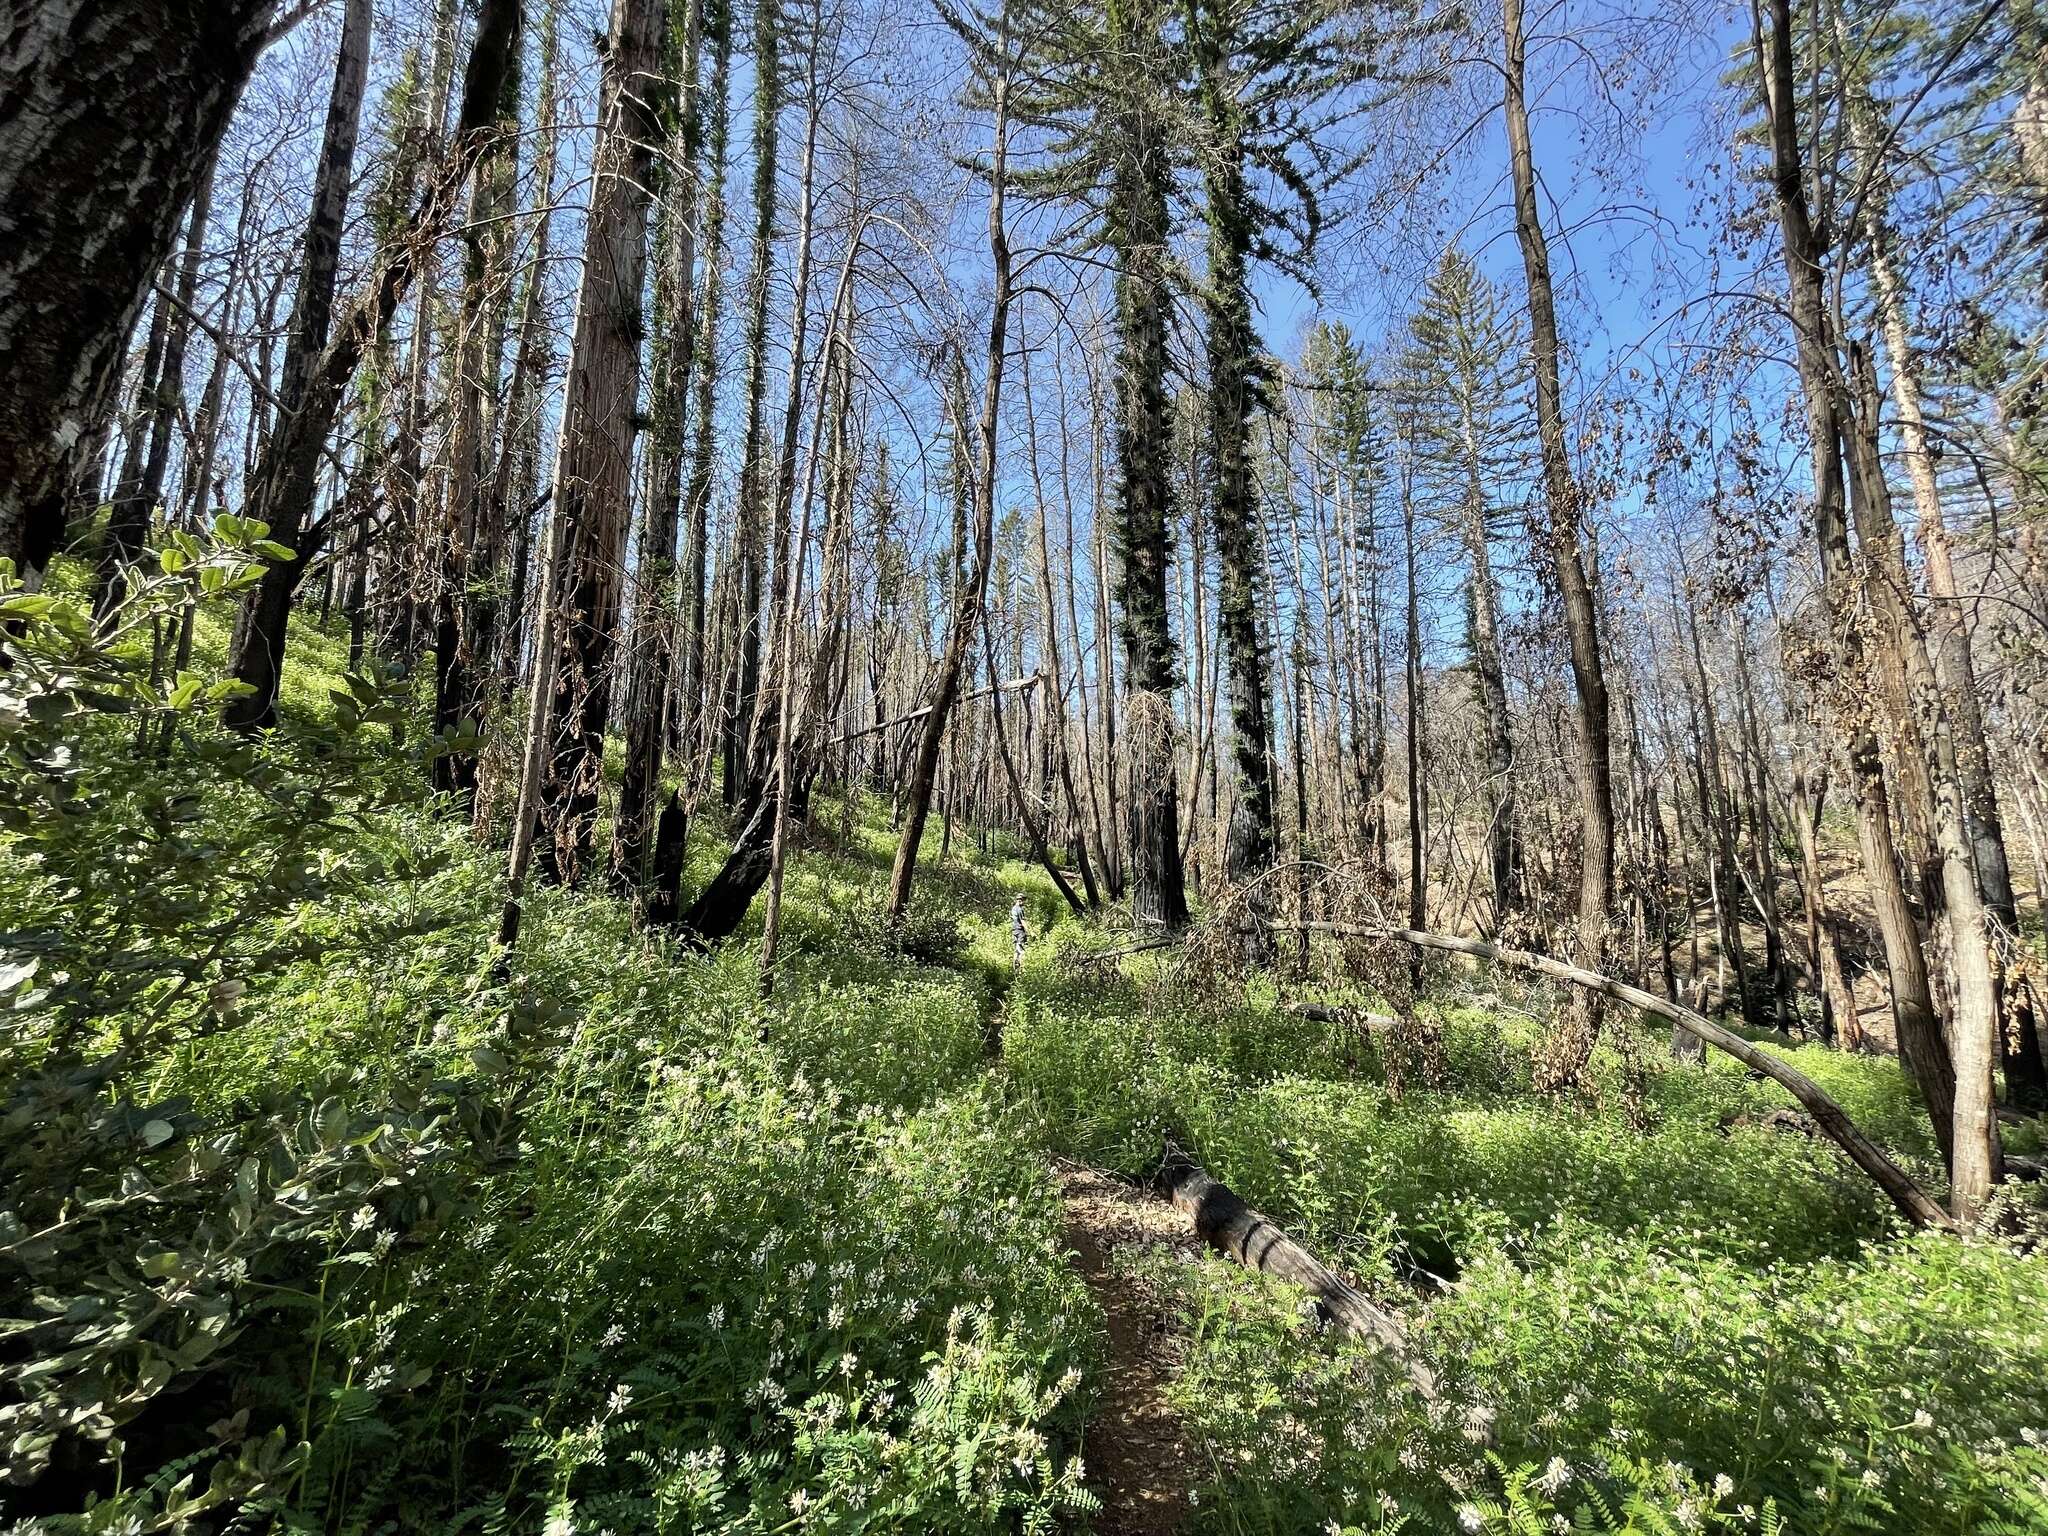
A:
{"points": [[1139, 1464]]}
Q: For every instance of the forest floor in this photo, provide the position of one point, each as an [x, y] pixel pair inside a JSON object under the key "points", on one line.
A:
{"points": [[1139, 1461]]}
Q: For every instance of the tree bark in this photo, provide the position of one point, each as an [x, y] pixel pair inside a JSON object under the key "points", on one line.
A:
{"points": [[1921, 1041], [2026, 1072], [1140, 232], [696, 685], [1252, 843], [751, 529], [1974, 1163], [282, 495], [1503, 824], [1567, 557], [674, 355], [467, 599], [94, 185], [1227, 1224], [594, 459]]}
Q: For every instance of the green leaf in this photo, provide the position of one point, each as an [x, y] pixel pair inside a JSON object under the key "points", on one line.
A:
{"points": [[330, 1120], [156, 1133]]}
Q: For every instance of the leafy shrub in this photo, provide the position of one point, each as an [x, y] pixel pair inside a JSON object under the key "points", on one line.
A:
{"points": [[926, 933], [160, 874]]}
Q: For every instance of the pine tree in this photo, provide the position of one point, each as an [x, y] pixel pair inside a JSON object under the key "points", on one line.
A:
{"points": [[1459, 373]]}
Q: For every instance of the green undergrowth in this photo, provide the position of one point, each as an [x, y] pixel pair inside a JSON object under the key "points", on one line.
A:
{"points": [[763, 1264], [1675, 1317], [336, 1225], [343, 1227]]}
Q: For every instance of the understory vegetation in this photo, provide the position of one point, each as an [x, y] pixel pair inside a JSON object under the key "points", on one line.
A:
{"points": [[326, 1218], [1023, 768]]}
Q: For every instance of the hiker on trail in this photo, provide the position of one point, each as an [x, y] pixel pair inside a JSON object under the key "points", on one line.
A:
{"points": [[1017, 934]]}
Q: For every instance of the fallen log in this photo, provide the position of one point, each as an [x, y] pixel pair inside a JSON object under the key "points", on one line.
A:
{"points": [[1833, 1122], [1323, 1013], [1129, 949], [1227, 1224]]}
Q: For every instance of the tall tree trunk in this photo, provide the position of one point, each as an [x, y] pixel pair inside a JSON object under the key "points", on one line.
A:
{"points": [[749, 501], [283, 492], [1567, 558], [695, 685], [1975, 1162], [110, 113], [1411, 677], [466, 597], [283, 479], [2026, 1073], [1919, 1031], [1253, 843], [1503, 825], [594, 458], [515, 494], [1140, 233], [654, 610], [769, 710]]}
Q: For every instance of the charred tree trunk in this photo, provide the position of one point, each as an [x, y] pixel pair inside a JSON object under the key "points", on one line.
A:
{"points": [[1252, 843], [654, 611], [283, 480], [283, 493], [594, 460], [753, 487], [695, 682], [1140, 233], [1226, 1223], [1503, 821], [466, 602]]}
